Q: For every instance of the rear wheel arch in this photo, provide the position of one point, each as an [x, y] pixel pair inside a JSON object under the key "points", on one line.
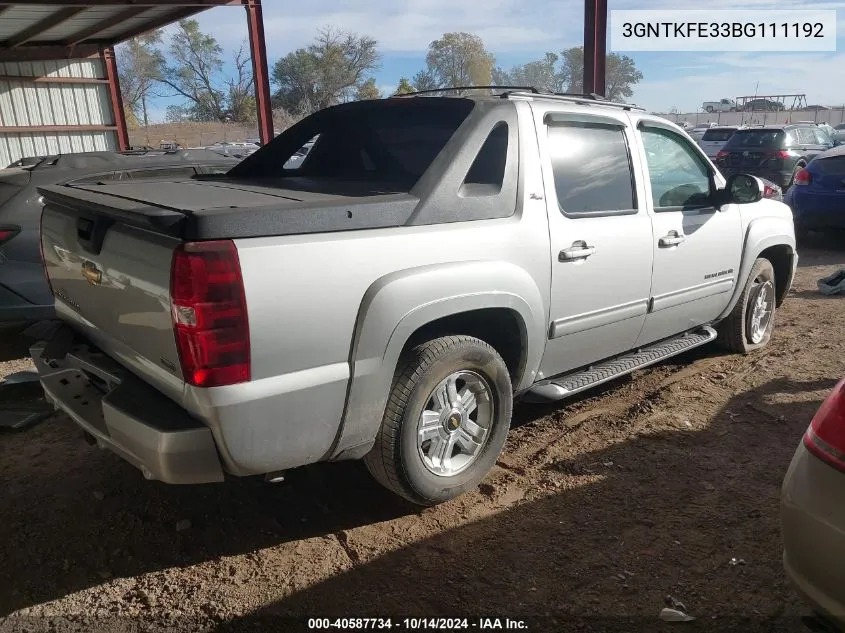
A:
{"points": [[416, 305]]}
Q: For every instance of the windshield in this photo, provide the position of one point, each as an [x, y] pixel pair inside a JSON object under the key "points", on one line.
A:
{"points": [[750, 139], [392, 141]]}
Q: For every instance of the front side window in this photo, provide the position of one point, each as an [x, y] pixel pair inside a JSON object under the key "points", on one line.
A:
{"points": [[591, 168], [678, 174]]}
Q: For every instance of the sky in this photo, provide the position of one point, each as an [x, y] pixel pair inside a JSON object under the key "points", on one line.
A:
{"points": [[519, 31]]}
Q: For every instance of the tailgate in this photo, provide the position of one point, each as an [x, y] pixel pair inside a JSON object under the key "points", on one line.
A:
{"points": [[109, 269]]}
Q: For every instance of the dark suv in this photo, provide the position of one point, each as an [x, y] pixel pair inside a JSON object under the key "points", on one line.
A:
{"points": [[774, 152]]}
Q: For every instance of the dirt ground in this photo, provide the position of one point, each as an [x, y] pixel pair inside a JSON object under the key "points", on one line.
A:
{"points": [[597, 510]]}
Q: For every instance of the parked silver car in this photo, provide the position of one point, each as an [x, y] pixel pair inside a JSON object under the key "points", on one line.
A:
{"points": [[813, 512], [715, 138]]}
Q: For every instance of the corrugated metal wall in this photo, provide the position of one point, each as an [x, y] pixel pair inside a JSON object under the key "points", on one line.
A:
{"points": [[25, 103]]}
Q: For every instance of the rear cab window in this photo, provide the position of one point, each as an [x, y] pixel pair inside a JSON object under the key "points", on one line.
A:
{"points": [[392, 142]]}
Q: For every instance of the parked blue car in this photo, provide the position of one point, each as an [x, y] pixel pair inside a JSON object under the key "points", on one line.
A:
{"points": [[817, 195]]}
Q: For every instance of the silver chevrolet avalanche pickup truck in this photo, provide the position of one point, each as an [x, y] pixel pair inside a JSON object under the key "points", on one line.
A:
{"points": [[387, 298]]}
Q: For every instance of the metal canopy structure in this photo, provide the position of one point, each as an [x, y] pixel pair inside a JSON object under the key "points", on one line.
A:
{"points": [[51, 30]]}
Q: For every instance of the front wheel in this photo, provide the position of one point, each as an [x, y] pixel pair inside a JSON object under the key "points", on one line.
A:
{"points": [[446, 420], [749, 325]]}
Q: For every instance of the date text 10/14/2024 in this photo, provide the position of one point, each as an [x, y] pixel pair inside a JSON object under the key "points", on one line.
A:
{"points": [[417, 624]]}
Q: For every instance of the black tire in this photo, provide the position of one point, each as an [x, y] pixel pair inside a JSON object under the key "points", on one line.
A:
{"points": [[396, 459], [709, 109], [734, 331]]}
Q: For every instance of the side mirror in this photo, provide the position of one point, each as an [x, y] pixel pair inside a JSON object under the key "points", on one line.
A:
{"points": [[743, 189]]}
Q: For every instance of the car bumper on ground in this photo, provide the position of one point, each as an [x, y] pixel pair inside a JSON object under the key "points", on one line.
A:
{"points": [[127, 416], [813, 521]]}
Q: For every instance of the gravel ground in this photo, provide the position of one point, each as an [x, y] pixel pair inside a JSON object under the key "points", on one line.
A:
{"points": [[596, 511]]}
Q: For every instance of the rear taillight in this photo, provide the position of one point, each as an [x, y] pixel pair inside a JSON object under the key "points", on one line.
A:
{"points": [[7, 232], [722, 153], [780, 154], [209, 314], [803, 177], [825, 437]]}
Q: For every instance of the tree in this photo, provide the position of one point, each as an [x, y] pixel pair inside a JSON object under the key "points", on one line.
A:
{"points": [[140, 65], [456, 59], [196, 73], [621, 73], [542, 74], [334, 69], [368, 90], [404, 87]]}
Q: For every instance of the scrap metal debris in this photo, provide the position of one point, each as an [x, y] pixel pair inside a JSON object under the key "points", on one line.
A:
{"points": [[675, 611], [832, 284]]}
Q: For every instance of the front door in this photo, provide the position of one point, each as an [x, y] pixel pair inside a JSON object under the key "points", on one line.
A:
{"points": [[600, 237], [697, 247]]}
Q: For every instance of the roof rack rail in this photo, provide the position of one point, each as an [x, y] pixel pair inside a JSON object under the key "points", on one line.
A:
{"points": [[588, 99], [531, 89]]}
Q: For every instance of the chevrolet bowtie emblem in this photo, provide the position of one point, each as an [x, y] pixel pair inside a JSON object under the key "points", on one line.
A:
{"points": [[93, 274]]}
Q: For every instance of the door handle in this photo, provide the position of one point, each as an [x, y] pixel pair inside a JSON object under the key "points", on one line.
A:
{"points": [[673, 239], [578, 250]]}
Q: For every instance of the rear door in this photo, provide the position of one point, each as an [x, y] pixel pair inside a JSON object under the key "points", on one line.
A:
{"points": [[696, 247], [600, 232]]}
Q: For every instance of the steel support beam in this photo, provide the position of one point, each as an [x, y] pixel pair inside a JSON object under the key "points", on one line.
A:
{"points": [[260, 74], [30, 53], [595, 46], [110, 62], [52, 129], [28, 79], [54, 19], [102, 25]]}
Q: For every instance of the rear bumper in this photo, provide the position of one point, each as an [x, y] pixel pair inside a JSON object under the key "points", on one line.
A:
{"points": [[813, 522], [127, 416]]}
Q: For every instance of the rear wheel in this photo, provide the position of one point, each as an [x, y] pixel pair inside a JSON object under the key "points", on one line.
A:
{"points": [[446, 420], [709, 109], [749, 325]]}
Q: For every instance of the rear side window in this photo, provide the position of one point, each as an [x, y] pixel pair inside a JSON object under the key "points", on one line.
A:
{"points": [[718, 134], [821, 137], [487, 172], [756, 139], [592, 169], [806, 136]]}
